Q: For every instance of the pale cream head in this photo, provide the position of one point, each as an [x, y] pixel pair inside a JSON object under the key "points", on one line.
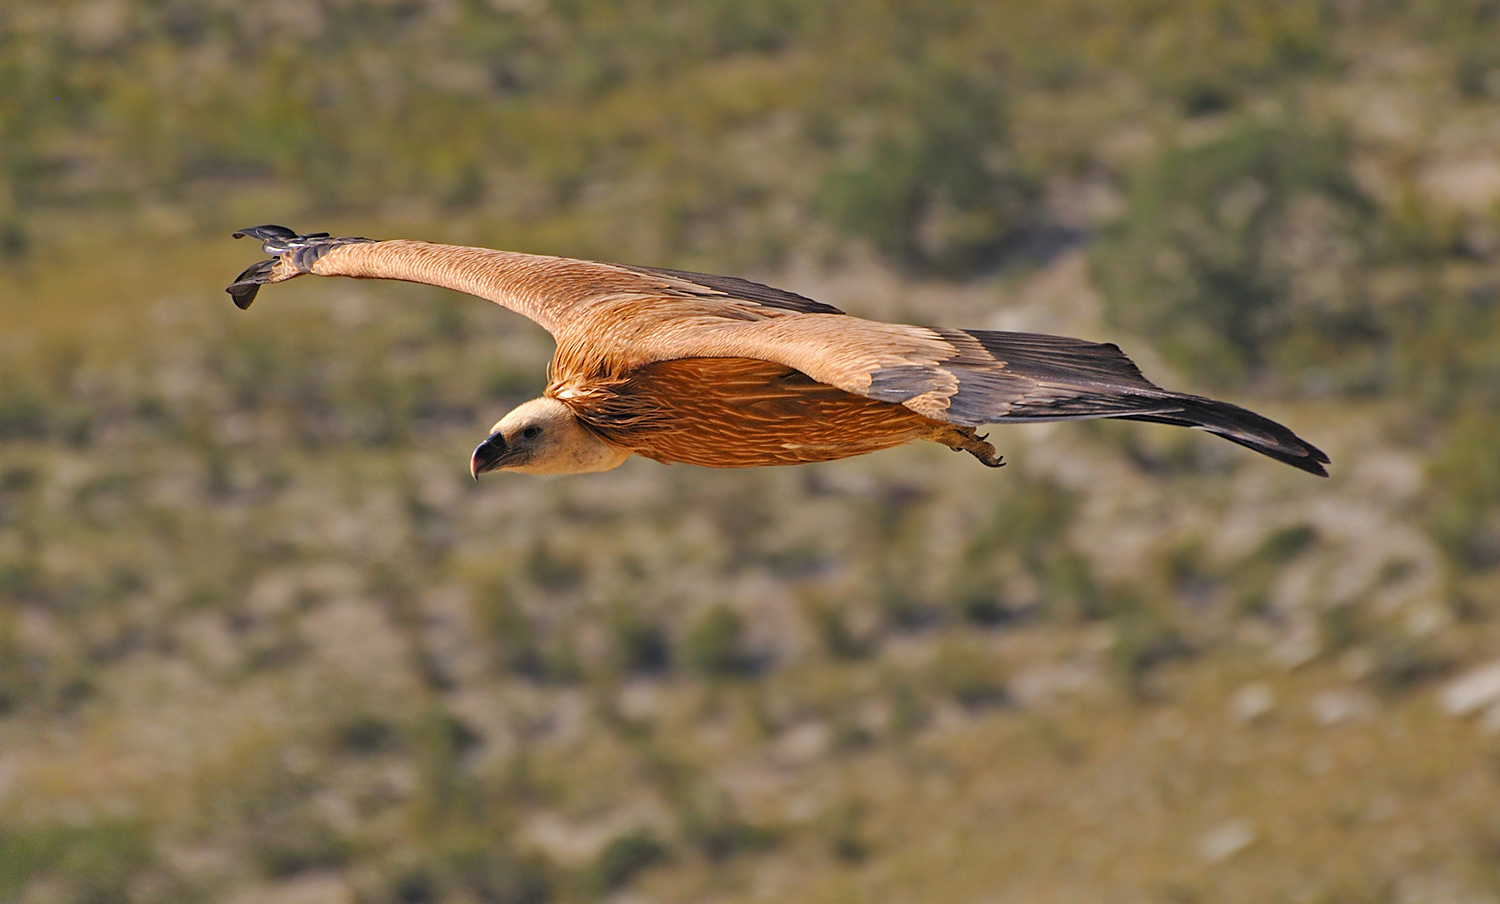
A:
{"points": [[543, 436]]}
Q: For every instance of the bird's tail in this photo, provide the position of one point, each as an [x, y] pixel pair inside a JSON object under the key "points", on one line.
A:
{"points": [[293, 255], [1237, 425]]}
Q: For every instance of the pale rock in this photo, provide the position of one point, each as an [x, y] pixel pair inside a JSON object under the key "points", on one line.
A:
{"points": [[1473, 691], [1489, 723], [1338, 706], [1041, 685], [805, 742], [1252, 702], [309, 888], [1297, 648], [1227, 839]]}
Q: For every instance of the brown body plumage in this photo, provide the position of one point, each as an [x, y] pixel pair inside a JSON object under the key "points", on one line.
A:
{"points": [[722, 372]]}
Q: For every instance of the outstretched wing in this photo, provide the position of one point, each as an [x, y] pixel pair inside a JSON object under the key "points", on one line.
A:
{"points": [[972, 377], [558, 293]]}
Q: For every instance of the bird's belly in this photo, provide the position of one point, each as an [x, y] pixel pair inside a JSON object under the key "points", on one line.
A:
{"points": [[741, 413]]}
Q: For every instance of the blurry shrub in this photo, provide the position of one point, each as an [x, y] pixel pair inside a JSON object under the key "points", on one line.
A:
{"points": [[1476, 72], [910, 710], [495, 874], [982, 607], [1465, 509], [849, 731], [715, 644], [842, 832], [552, 570], [1027, 531], [13, 240], [938, 187], [23, 412], [414, 885], [514, 642], [1341, 628], [1401, 663], [561, 662], [98, 862], [283, 829], [625, 857], [1207, 55], [968, 674], [365, 735], [296, 842], [903, 608], [1143, 641], [15, 684], [711, 824], [1251, 577], [454, 738], [1032, 519], [639, 644], [832, 626], [1246, 252], [1071, 590]]}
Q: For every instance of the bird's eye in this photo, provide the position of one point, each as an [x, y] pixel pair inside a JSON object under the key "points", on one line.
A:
{"points": [[531, 432]]}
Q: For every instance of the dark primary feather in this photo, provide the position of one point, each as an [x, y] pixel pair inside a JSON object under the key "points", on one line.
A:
{"points": [[248, 283], [279, 240], [1245, 428], [734, 287], [1018, 377], [1030, 376]]}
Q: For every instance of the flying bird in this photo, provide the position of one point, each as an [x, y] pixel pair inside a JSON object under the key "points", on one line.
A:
{"points": [[727, 373]]}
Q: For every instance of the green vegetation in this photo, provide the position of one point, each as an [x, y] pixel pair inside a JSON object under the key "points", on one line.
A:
{"points": [[261, 639]]}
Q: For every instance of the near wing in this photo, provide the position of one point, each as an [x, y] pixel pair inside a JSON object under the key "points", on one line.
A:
{"points": [[558, 293], [975, 377]]}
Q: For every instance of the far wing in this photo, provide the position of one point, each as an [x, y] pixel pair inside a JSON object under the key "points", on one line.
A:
{"points": [[707, 285]]}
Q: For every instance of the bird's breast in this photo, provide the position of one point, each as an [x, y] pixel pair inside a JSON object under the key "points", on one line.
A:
{"points": [[738, 412]]}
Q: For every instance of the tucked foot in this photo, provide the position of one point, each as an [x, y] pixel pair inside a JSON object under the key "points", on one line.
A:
{"points": [[965, 439]]}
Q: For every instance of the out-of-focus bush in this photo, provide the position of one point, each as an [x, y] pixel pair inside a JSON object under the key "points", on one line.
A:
{"points": [[1246, 256], [715, 644], [1466, 510], [938, 184]]}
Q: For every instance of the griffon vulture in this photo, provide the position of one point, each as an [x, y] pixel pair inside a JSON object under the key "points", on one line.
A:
{"points": [[727, 373]]}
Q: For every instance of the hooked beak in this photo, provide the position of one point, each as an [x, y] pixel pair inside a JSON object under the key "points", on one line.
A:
{"points": [[489, 455]]}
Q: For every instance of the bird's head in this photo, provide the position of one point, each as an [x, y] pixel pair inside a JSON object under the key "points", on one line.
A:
{"points": [[543, 436]]}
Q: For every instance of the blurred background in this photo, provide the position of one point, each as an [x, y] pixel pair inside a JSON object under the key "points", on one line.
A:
{"points": [[262, 640]]}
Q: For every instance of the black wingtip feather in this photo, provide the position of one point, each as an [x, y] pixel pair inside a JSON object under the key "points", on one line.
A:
{"points": [[299, 252], [1244, 428], [267, 233], [1041, 378], [248, 283]]}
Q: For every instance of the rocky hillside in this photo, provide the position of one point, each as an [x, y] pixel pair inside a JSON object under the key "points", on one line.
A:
{"points": [[262, 639]]}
